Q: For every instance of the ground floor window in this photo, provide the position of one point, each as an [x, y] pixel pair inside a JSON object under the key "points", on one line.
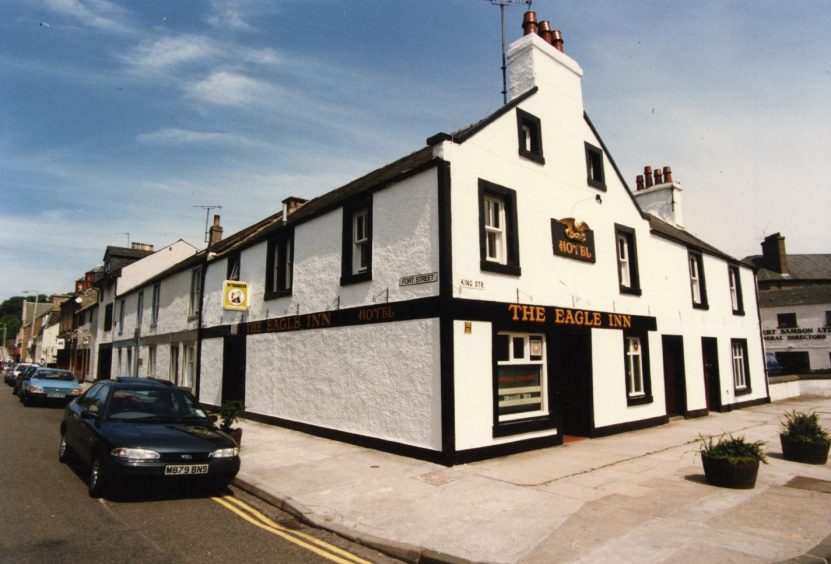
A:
{"points": [[189, 369], [174, 363], [151, 361], [636, 367], [520, 376], [741, 373]]}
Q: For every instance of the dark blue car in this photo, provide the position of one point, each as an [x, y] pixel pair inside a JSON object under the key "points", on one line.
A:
{"points": [[144, 431]]}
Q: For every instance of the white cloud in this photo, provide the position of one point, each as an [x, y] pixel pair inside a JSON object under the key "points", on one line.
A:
{"points": [[175, 136], [99, 14], [153, 56], [226, 88]]}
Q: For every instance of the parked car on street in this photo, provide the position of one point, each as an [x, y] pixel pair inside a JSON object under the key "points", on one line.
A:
{"points": [[22, 376], [11, 375], [128, 432], [45, 384]]}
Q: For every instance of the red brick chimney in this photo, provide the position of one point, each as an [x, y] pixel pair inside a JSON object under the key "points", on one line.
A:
{"points": [[773, 253], [215, 232]]}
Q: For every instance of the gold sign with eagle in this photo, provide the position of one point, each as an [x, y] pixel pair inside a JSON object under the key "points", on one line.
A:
{"points": [[573, 239]]}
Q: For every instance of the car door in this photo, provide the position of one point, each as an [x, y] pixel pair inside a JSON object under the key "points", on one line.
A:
{"points": [[83, 430]]}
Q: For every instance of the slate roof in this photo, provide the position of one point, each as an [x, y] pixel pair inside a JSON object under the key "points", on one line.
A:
{"points": [[801, 295], [664, 229], [800, 267]]}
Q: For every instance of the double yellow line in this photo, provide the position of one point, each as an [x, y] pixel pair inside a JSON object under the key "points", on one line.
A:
{"points": [[301, 539]]}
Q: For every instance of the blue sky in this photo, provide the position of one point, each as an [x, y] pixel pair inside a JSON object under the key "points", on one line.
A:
{"points": [[120, 117]]}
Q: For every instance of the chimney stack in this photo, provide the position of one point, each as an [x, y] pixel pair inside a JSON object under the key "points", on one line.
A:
{"points": [[291, 205], [659, 195], [774, 255], [136, 246], [215, 232]]}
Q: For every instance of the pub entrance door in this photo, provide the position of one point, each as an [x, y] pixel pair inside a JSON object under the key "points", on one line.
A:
{"points": [[571, 365], [674, 379]]}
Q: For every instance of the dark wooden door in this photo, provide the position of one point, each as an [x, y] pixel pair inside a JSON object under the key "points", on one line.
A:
{"points": [[572, 369], [105, 361], [674, 381], [712, 382], [233, 368]]}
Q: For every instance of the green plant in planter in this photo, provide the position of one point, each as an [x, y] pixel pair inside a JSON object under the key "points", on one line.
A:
{"points": [[803, 438], [229, 413], [731, 462]]}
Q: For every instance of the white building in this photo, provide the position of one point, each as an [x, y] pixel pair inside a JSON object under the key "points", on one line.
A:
{"points": [[492, 292]]}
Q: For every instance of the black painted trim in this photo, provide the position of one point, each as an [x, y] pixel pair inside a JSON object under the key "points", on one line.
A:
{"points": [[592, 153], [446, 339], [349, 210], [534, 124], [509, 200], [702, 281], [634, 288], [745, 404], [276, 245], [695, 413], [505, 449], [734, 268], [629, 426]]}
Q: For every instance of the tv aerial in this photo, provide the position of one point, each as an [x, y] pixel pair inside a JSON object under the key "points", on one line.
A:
{"points": [[502, 4]]}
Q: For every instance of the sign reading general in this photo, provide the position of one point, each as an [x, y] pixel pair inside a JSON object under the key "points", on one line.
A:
{"points": [[572, 239], [235, 295]]}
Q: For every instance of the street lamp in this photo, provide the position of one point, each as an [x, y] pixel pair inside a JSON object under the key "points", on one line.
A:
{"points": [[34, 312]]}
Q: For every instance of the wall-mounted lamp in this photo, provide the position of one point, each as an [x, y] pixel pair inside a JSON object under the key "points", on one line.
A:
{"points": [[598, 199]]}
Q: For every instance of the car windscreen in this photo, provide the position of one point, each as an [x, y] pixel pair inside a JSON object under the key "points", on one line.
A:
{"points": [[152, 403], [54, 375]]}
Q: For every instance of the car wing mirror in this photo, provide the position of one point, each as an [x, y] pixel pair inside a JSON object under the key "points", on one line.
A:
{"points": [[90, 415]]}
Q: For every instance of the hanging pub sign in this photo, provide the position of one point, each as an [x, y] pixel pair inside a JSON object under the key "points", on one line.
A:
{"points": [[235, 295], [572, 239]]}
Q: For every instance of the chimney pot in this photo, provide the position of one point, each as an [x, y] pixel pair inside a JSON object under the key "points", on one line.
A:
{"points": [[544, 29], [647, 175], [639, 181], [659, 176], [529, 23], [667, 174], [557, 40]]}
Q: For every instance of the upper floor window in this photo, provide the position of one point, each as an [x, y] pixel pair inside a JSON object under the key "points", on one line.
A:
{"points": [[828, 318], [697, 285], [108, 317], [627, 260], [735, 289], [529, 131], [195, 292], [357, 242], [741, 373], [139, 309], [154, 306], [595, 174], [279, 270], [786, 320], [121, 305], [232, 272], [636, 367], [498, 238]]}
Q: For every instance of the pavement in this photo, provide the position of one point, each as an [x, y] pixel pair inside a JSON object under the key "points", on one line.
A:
{"points": [[633, 497]]}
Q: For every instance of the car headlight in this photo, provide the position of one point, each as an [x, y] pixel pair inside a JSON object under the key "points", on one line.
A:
{"points": [[225, 452], [35, 389], [76, 392], [135, 453]]}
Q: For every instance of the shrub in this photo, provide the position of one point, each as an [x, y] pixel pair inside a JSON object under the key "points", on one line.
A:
{"points": [[229, 413], [803, 428], [732, 449]]}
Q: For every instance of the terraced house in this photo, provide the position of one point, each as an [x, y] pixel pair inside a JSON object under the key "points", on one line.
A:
{"points": [[497, 290]]}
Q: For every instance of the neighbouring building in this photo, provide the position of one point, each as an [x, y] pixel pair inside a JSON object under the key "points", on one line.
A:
{"points": [[495, 291], [795, 303]]}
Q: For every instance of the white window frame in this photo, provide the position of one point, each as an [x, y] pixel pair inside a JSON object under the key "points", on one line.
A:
{"points": [[623, 260], [174, 363], [695, 279], [636, 386], [195, 291], [734, 289], [139, 309], [360, 241], [151, 361], [189, 368], [122, 304], [513, 360], [739, 374], [154, 307], [495, 239]]}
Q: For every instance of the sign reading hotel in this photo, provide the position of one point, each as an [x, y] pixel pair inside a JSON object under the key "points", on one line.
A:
{"points": [[572, 239], [235, 295]]}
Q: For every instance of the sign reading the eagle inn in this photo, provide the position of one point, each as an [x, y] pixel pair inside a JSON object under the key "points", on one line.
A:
{"points": [[572, 239]]}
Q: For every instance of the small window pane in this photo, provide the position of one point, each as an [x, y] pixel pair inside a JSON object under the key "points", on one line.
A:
{"points": [[502, 347], [519, 348]]}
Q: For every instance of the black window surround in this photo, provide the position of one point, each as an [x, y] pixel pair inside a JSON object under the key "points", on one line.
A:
{"points": [[735, 274], [509, 200], [279, 270], [701, 303], [643, 336], [595, 173], [628, 234], [743, 344], [529, 134], [348, 276], [233, 270], [108, 317]]}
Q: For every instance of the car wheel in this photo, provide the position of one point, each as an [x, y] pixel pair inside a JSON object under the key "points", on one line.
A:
{"points": [[97, 478], [64, 452]]}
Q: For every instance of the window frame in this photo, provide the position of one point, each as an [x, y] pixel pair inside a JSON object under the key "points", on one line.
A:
{"points": [[744, 366], [350, 275], [232, 268], [628, 235], [122, 304], [108, 317], [645, 395], [139, 310], [534, 126], [734, 282], [780, 317], [154, 306], [491, 191], [595, 167], [280, 265], [697, 259], [195, 302]]}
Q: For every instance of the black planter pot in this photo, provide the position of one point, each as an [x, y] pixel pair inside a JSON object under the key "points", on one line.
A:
{"points": [[810, 453], [236, 434], [740, 474]]}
